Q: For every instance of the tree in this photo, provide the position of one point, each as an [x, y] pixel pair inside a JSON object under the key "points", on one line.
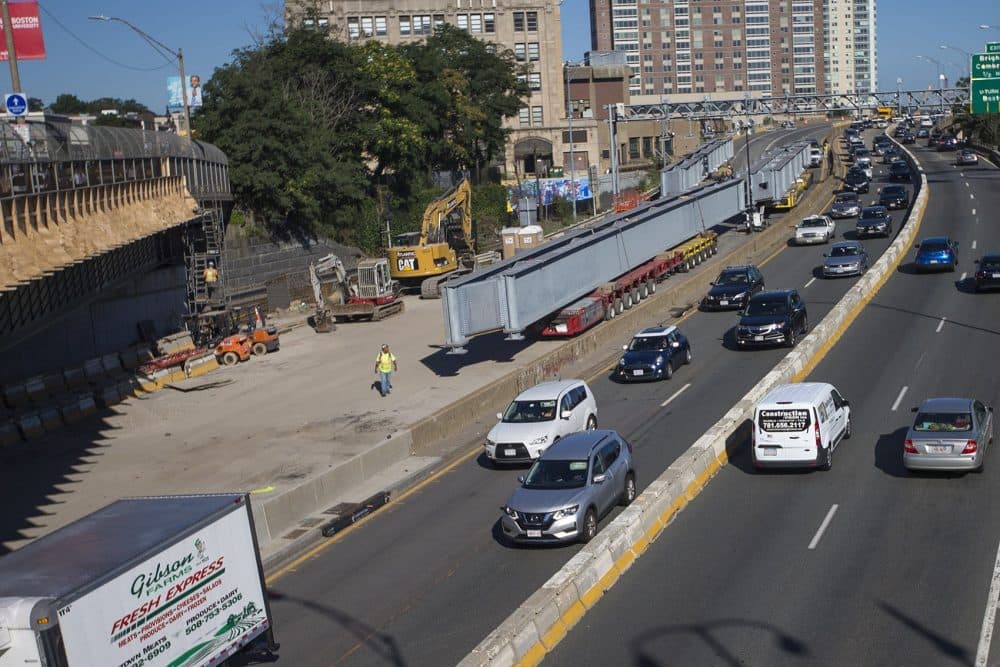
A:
{"points": [[68, 104], [35, 104]]}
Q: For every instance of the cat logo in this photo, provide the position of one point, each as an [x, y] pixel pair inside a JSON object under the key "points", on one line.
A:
{"points": [[407, 261]]}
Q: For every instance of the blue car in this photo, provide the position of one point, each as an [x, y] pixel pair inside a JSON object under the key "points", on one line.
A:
{"points": [[935, 253], [654, 354]]}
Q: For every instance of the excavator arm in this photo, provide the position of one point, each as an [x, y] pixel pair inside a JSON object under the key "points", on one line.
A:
{"points": [[449, 216]]}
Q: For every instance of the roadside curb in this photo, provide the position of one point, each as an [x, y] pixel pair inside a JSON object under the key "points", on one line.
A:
{"points": [[534, 629]]}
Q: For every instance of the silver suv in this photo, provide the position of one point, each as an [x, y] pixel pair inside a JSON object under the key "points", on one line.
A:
{"points": [[570, 488]]}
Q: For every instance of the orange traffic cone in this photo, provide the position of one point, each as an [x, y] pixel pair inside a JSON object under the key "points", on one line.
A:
{"points": [[257, 321]]}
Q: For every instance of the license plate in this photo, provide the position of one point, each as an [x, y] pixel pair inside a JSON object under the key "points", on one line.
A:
{"points": [[995, 275], [562, 328], [638, 372], [939, 449], [726, 303], [533, 533], [769, 451], [934, 261], [758, 338], [510, 452]]}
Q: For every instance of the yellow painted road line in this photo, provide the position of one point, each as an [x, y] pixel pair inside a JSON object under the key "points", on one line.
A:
{"points": [[320, 548]]}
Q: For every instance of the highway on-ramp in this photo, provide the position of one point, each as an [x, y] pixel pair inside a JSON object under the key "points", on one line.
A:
{"points": [[863, 565], [425, 580]]}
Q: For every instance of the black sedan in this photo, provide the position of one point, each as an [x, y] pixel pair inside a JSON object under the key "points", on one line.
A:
{"points": [[856, 182], [987, 272], [947, 143], [908, 138], [894, 197], [874, 221], [900, 171], [734, 286]]}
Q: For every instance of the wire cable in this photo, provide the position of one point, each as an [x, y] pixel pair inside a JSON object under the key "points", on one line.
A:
{"points": [[96, 51]]}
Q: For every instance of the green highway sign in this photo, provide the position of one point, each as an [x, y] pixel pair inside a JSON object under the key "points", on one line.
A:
{"points": [[985, 96], [985, 65], [992, 47]]}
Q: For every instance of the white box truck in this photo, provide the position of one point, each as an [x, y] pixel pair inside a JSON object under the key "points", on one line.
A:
{"points": [[166, 581]]}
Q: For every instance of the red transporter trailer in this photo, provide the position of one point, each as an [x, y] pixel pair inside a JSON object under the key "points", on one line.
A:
{"points": [[614, 297]]}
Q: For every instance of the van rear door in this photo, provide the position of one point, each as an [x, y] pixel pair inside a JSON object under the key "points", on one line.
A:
{"points": [[783, 433]]}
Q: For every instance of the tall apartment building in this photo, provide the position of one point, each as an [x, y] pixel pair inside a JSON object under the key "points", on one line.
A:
{"points": [[685, 50], [530, 28], [850, 46]]}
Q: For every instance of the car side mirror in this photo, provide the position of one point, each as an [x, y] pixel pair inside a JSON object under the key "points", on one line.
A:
{"points": [[846, 403], [990, 408], [824, 254], [675, 344], [600, 478], [913, 409], [976, 261], [520, 479], [500, 416], [566, 414]]}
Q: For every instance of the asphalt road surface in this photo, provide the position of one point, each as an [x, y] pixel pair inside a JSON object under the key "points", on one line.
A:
{"points": [[747, 574], [426, 580]]}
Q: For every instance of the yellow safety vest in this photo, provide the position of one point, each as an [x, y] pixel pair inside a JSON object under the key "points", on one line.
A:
{"points": [[385, 361], [211, 275]]}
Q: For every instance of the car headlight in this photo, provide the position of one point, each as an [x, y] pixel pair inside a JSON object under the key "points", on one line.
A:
{"points": [[621, 362], [565, 512], [740, 296], [490, 443], [510, 511], [659, 360], [880, 225], [540, 440]]}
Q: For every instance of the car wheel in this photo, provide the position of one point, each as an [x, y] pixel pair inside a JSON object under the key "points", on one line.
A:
{"points": [[805, 325], [951, 268], [628, 493], [591, 423], [668, 369], [589, 529], [849, 431], [827, 458], [790, 338], [687, 356]]}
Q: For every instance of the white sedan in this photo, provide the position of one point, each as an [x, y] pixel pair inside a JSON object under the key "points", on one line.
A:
{"points": [[815, 229]]}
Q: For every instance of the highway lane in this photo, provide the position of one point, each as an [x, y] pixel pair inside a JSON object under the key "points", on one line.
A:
{"points": [[433, 556], [901, 572]]}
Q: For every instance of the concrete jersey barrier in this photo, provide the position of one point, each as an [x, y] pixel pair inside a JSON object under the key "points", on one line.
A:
{"points": [[535, 628]]}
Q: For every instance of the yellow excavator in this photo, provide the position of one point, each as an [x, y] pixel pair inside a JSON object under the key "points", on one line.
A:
{"points": [[443, 245]]}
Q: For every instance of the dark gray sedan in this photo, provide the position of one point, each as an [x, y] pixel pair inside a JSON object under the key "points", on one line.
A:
{"points": [[846, 205], [846, 258], [949, 434]]}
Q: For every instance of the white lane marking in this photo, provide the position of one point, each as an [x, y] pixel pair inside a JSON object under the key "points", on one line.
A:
{"points": [[966, 184], [961, 174], [973, 245], [822, 527], [972, 196], [920, 360], [902, 393], [811, 281], [940, 326], [675, 395], [973, 211], [989, 618], [963, 277]]}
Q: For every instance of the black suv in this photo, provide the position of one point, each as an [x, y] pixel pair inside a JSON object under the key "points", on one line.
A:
{"points": [[733, 287], [856, 182], [873, 221], [900, 171], [772, 318], [894, 196]]}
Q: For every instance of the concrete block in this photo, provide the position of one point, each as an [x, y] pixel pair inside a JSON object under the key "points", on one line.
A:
{"points": [[130, 359], [9, 433], [35, 386], [108, 396], [128, 387], [197, 367], [93, 369], [30, 425], [51, 418], [55, 383], [588, 580], [111, 364], [145, 382], [74, 378], [16, 395], [525, 639], [87, 404]]}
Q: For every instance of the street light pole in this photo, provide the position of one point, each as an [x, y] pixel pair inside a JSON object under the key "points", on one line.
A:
{"points": [[8, 31], [963, 52], [157, 45], [569, 121]]}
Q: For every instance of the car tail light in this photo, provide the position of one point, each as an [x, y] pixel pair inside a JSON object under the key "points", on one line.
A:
{"points": [[980, 274], [819, 440], [908, 447], [970, 447]]}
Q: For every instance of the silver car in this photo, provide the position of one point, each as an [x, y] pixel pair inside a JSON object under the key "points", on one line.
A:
{"points": [[949, 434], [846, 258], [846, 205], [575, 482]]}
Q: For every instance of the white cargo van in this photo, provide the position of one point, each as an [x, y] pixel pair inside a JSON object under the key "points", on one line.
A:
{"points": [[800, 425]]}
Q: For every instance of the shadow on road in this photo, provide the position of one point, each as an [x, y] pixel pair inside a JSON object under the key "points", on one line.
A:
{"points": [[658, 647], [489, 347], [944, 646]]}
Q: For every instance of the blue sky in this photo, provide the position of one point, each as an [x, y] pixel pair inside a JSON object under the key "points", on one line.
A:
{"points": [[209, 30]]}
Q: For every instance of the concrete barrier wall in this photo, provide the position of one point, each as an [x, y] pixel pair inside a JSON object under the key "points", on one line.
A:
{"points": [[534, 629]]}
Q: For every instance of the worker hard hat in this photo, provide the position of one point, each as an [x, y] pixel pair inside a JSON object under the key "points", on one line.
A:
{"points": [[211, 263]]}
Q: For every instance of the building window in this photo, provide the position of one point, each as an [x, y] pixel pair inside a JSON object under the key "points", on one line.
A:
{"points": [[367, 26], [533, 51], [524, 116], [353, 27], [489, 23], [381, 26], [535, 80], [462, 21], [518, 21], [633, 148], [438, 21], [404, 26], [520, 52], [476, 22], [537, 117], [422, 25], [532, 20]]}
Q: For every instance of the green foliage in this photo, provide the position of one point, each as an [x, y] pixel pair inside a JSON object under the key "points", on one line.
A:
{"points": [[324, 136], [71, 104], [35, 104], [489, 212]]}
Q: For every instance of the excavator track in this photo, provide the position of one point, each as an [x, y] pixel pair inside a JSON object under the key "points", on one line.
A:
{"points": [[431, 287]]}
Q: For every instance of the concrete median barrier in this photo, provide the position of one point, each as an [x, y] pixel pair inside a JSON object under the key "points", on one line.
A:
{"points": [[599, 564]]}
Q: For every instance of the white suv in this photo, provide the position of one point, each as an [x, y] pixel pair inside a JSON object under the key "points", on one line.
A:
{"points": [[539, 417]]}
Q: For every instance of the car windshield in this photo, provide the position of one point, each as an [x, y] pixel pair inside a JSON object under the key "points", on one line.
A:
{"points": [[893, 191], [732, 278], [990, 265], [647, 343], [813, 222], [847, 200], [943, 421], [873, 213], [554, 474], [530, 411], [769, 306], [845, 251], [856, 176], [933, 247], [900, 166]]}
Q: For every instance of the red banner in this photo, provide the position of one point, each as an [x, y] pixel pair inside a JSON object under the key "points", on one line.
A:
{"points": [[28, 42]]}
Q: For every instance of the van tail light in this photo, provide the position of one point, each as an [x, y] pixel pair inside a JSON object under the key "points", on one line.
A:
{"points": [[970, 447], [908, 447], [819, 440]]}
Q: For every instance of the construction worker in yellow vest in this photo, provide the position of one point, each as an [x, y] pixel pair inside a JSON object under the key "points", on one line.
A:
{"points": [[211, 276], [385, 364]]}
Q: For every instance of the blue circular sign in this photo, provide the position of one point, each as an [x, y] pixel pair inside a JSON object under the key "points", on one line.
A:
{"points": [[17, 104]]}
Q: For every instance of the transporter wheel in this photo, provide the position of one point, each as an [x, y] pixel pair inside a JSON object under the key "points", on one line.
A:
{"points": [[609, 312], [636, 297], [619, 306], [652, 286], [644, 290], [627, 298]]}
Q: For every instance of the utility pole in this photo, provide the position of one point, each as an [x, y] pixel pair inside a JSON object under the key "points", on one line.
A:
{"points": [[614, 149], [8, 33], [569, 120]]}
